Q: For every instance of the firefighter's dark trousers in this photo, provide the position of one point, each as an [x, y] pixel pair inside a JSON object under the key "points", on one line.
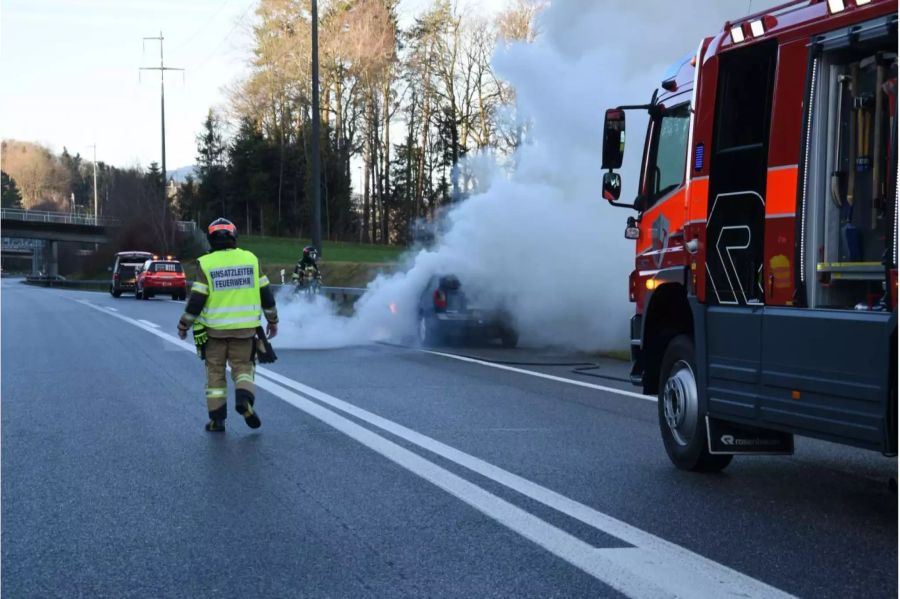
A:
{"points": [[237, 353]]}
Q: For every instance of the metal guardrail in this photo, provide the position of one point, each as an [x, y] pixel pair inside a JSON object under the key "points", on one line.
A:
{"points": [[342, 294], [339, 294], [65, 218], [48, 281]]}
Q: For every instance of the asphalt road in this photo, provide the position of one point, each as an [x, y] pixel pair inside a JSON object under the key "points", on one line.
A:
{"points": [[385, 471]]}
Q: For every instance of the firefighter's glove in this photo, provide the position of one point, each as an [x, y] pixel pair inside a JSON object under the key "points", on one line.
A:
{"points": [[262, 349], [200, 339]]}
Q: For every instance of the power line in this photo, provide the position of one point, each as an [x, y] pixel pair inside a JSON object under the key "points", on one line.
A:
{"points": [[162, 68], [231, 31], [206, 23]]}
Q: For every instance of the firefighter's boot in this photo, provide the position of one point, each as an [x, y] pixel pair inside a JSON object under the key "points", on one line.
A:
{"points": [[215, 426], [217, 418], [244, 401]]}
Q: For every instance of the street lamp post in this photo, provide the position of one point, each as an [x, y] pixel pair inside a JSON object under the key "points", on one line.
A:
{"points": [[95, 183], [316, 177]]}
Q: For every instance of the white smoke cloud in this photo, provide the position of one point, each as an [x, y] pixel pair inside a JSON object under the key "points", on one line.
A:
{"points": [[540, 239]]}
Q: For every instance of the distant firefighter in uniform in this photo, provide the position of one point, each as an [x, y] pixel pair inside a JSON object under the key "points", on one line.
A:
{"points": [[224, 310], [308, 259]]}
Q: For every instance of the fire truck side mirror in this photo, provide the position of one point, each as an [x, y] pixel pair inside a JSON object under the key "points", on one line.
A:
{"points": [[613, 138], [612, 186]]}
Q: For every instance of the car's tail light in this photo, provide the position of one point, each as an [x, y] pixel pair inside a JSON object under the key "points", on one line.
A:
{"points": [[440, 300], [115, 276]]}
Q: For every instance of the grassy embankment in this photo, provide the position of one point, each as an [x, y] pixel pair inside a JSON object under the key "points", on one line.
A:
{"points": [[342, 264]]}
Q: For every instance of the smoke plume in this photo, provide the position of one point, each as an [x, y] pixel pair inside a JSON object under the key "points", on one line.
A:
{"points": [[539, 239]]}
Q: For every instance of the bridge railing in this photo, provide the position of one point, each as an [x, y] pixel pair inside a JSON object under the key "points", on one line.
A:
{"points": [[66, 218], [70, 218]]}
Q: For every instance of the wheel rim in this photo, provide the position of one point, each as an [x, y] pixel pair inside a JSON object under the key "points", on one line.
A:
{"points": [[680, 403], [423, 330]]}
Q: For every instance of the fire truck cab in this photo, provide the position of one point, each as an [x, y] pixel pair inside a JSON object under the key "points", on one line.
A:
{"points": [[765, 278]]}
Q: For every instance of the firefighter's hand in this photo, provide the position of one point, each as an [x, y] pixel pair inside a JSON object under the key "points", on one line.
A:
{"points": [[182, 333], [271, 330]]}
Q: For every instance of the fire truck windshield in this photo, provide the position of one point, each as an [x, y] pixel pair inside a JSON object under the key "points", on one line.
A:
{"points": [[668, 151]]}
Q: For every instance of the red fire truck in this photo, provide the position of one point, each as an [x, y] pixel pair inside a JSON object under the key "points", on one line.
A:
{"points": [[766, 235]]}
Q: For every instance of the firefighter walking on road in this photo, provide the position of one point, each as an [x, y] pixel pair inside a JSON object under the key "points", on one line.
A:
{"points": [[224, 311]]}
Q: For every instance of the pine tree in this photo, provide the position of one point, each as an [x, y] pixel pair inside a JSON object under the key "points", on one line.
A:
{"points": [[12, 198], [211, 169]]}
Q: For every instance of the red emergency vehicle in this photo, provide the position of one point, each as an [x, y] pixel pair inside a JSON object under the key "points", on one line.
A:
{"points": [[766, 235], [160, 275]]}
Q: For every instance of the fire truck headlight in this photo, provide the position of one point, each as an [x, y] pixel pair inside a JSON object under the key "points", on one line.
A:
{"points": [[835, 6], [737, 34]]}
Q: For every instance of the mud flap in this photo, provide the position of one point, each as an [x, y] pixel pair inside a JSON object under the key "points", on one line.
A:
{"points": [[729, 438]]}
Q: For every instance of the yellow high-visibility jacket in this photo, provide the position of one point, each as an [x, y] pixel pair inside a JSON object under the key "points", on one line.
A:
{"points": [[232, 283]]}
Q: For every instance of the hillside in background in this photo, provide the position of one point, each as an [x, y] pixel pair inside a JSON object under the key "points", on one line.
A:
{"points": [[179, 174]]}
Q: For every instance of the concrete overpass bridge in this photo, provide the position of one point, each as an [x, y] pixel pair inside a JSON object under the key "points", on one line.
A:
{"points": [[45, 230], [55, 226]]}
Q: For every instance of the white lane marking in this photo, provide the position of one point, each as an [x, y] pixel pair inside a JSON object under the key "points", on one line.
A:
{"points": [[542, 375], [111, 309], [654, 567], [147, 327], [148, 323], [600, 564], [665, 564]]}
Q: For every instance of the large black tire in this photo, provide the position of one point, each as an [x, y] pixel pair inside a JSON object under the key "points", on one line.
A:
{"points": [[682, 421], [428, 332], [146, 295], [137, 293], [509, 338], [113, 292]]}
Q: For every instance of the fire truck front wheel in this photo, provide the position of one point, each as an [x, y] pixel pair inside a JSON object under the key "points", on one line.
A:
{"points": [[681, 420]]}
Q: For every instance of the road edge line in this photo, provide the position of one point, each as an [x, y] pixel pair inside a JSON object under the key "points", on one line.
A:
{"points": [[542, 375]]}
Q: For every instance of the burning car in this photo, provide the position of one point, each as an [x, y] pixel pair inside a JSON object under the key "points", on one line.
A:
{"points": [[446, 313]]}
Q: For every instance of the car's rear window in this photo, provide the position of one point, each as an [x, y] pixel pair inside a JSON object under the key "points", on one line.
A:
{"points": [[133, 258], [165, 267], [127, 269], [456, 300]]}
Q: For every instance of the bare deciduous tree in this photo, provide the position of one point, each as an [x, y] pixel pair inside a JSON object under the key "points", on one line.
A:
{"points": [[41, 177]]}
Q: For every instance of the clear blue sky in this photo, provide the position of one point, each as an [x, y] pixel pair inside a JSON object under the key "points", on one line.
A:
{"points": [[70, 72]]}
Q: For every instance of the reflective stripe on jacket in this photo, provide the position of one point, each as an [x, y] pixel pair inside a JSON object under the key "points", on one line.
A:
{"points": [[232, 281]]}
